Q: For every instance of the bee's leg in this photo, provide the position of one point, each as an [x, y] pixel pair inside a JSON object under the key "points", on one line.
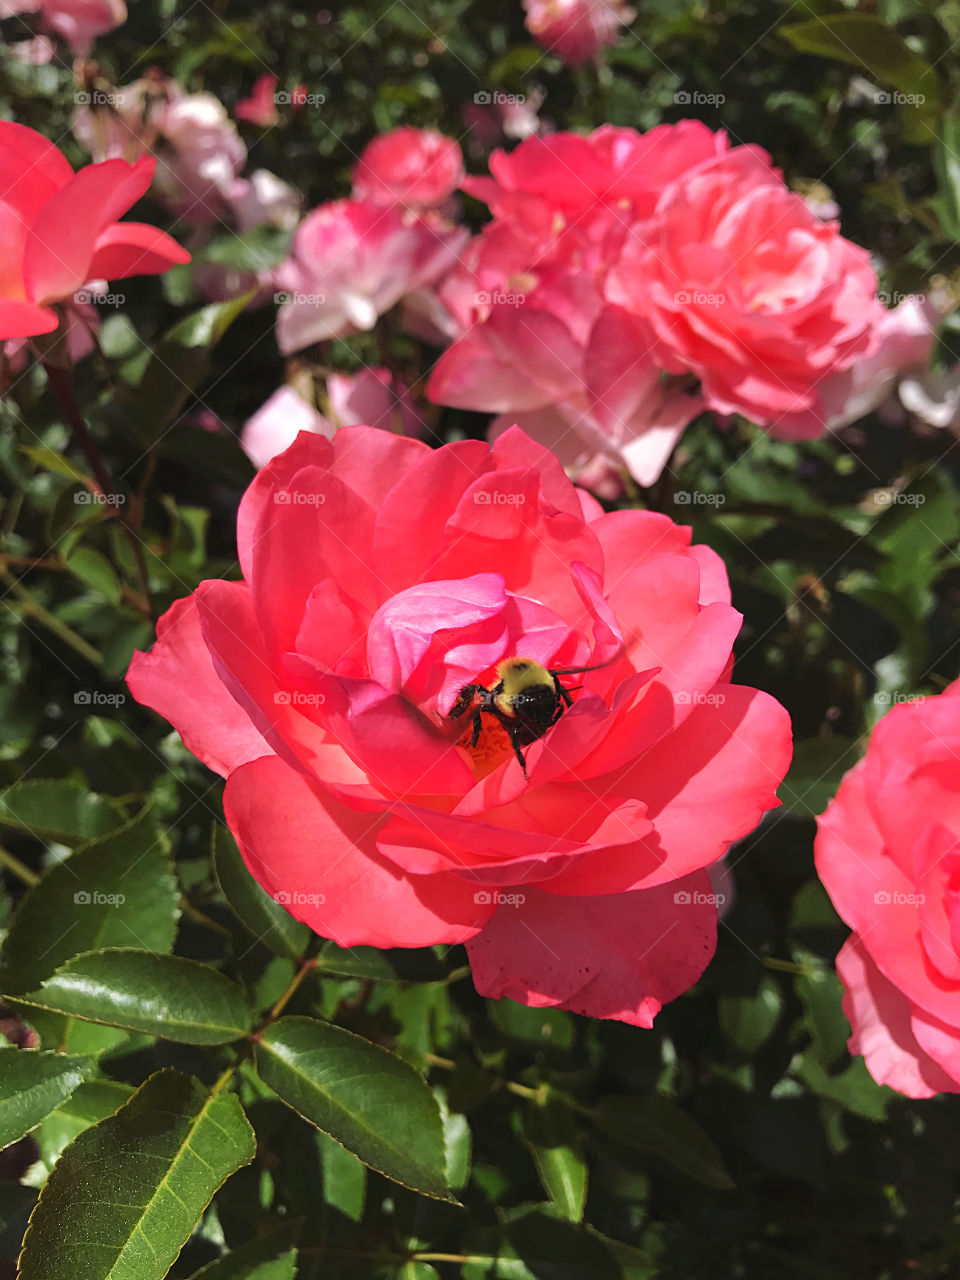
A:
{"points": [[514, 732], [477, 726], [563, 692], [464, 701]]}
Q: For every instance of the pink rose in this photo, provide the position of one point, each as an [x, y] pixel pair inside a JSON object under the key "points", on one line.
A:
{"points": [[204, 156], [576, 30], [380, 578], [906, 336], [60, 229], [260, 107], [376, 397], [745, 288], [418, 167], [277, 423], [351, 261], [78, 22], [888, 852]]}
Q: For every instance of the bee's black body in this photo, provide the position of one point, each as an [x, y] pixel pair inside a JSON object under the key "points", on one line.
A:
{"points": [[527, 701]]}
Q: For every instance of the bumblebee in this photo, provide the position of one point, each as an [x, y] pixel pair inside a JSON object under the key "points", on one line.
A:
{"points": [[527, 700]]}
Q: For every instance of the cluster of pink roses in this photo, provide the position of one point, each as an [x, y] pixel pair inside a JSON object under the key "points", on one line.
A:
{"points": [[626, 283], [629, 281]]}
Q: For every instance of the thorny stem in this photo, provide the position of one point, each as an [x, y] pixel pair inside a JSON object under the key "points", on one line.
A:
{"points": [[33, 608], [61, 384]]}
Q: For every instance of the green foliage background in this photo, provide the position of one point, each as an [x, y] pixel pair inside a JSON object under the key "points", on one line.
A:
{"points": [[737, 1138]]}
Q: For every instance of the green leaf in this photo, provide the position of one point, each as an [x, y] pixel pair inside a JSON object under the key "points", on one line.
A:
{"points": [[748, 1021], [540, 1246], [344, 1178], [652, 1123], [260, 914], [125, 1195], [32, 1084], [117, 891], [174, 370], [815, 773], [550, 1135], [370, 1101], [92, 1102], [58, 809], [53, 461], [93, 568], [872, 47], [269, 1257], [821, 992], [164, 996], [946, 163]]}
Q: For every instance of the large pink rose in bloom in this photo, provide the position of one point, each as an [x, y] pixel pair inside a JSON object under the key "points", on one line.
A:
{"points": [[78, 22], [418, 167], [351, 261], [59, 229], [380, 577], [888, 851], [576, 30], [746, 288]]}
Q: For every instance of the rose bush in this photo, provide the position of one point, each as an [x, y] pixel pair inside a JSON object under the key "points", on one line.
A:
{"points": [[60, 229], [380, 577], [888, 852]]}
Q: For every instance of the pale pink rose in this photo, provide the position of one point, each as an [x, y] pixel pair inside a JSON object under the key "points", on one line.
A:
{"points": [[906, 337], [261, 106], [418, 167], [934, 398], [277, 423], [744, 288], [205, 155], [38, 52], [78, 22], [351, 261], [576, 30], [263, 199], [374, 398]]}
